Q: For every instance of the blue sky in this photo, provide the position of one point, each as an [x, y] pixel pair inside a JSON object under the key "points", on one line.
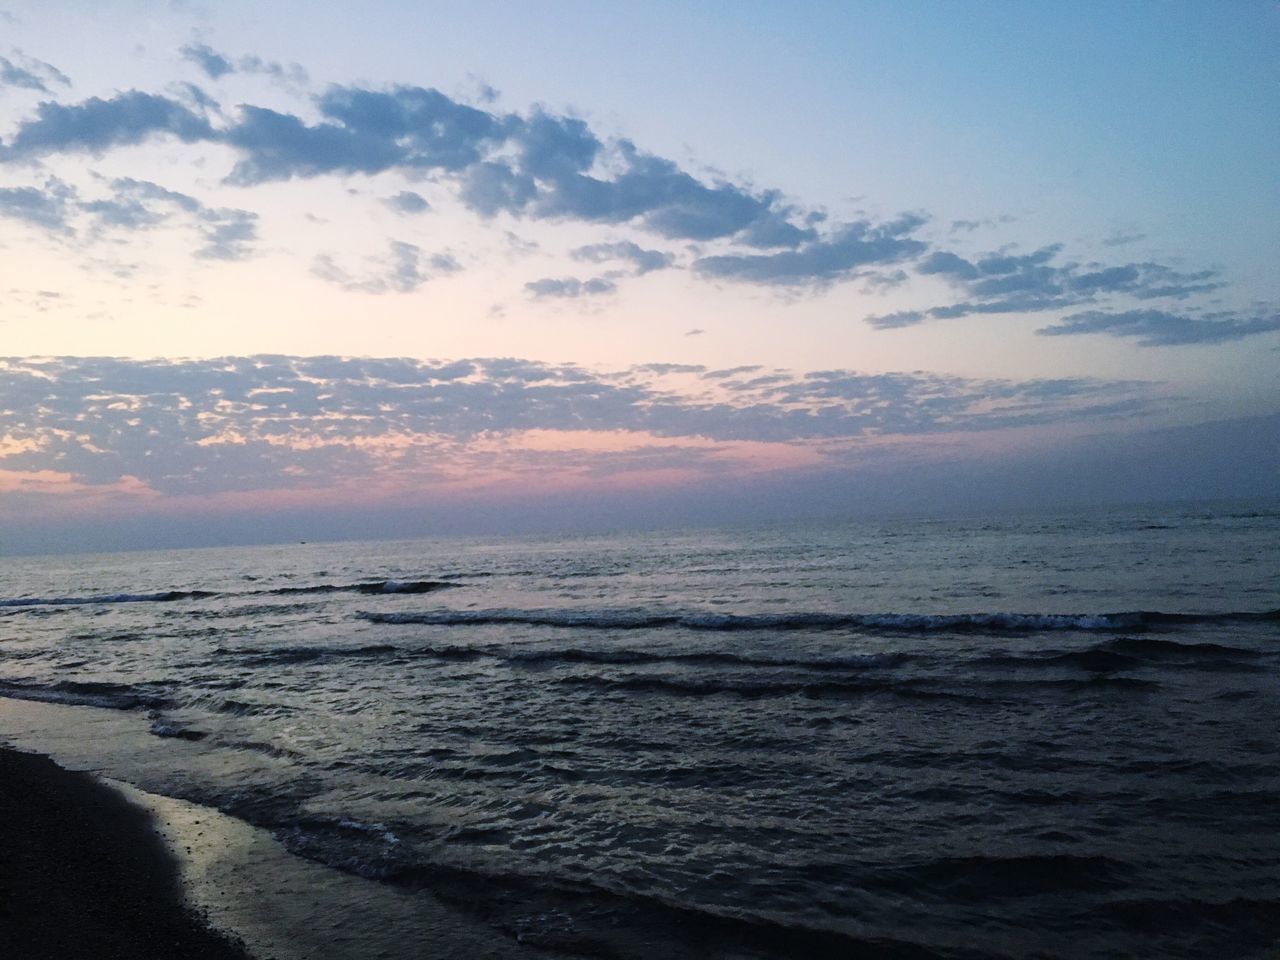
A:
{"points": [[730, 242]]}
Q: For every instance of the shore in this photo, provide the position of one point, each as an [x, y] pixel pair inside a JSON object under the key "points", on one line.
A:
{"points": [[93, 866], [83, 874]]}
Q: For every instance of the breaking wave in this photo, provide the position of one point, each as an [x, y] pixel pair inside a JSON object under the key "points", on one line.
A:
{"points": [[113, 696], [612, 619], [166, 596], [169, 596]]}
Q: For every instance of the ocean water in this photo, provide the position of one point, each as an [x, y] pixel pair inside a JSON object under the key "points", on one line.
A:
{"points": [[1049, 736]]}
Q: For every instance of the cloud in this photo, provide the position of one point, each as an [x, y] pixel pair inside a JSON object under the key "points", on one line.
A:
{"points": [[948, 264], [1158, 328], [403, 270], [227, 233], [1119, 238], [95, 125], [540, 166], [48, 207], [546, 166], [364, 131], [216, 65], [569, 288], [406, 201], [1004, 282], [891, 321], [644, 261], [273, 422], [131, 205], [822, 262], [224, 233], [30, 74]]}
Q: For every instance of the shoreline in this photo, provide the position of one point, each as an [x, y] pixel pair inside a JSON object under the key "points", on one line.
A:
{"points": [[83, 874], [200, 872]]}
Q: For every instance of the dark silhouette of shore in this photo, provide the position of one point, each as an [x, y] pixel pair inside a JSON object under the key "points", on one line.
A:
{"points": [[83, 875]]}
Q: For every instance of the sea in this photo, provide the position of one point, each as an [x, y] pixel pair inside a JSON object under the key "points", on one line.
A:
{"points": [[1051, 735]]}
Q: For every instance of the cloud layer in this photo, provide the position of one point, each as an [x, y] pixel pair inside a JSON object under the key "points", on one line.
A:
{"points": [[273, 422]]}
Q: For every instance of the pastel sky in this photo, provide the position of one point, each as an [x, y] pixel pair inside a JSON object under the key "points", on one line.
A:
{"points": [[335, 269]]}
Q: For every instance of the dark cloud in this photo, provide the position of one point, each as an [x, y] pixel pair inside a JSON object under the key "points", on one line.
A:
{"points": [[947, 264], [1004, 282], [569, 288], [541, 166], [203, 426], [406, 201], [48, 207], [193, 96], [550, 176], [404, 269], [95, 125], [30, 74], [1158, 328], [364, 131], [227, 233], [1121, 238], [216, 65], [852, 247], [285, 72], [224, 233], [644, 261], [891, 321], [132, 205], [878, 281]]}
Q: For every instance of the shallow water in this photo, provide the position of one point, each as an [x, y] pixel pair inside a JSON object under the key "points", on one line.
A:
{"points": [[1050, 735]]}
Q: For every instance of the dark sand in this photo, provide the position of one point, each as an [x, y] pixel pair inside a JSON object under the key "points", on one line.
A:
{"points": [[84, 875]]}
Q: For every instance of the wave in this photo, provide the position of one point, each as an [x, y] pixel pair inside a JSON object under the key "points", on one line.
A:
{"points": [[613, 619], [1131, 653], [843, 688], [710, 658], [296, 655], [372, 587], [169, 596], [581, 916], [1152, 648], [259, 657], [169, 729], [113, 696]]}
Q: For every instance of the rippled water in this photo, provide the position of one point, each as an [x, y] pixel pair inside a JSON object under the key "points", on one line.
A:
{"points": [[1050, 736]]}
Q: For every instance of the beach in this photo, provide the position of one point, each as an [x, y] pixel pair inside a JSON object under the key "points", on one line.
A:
{"points": [[94, 867], [84, 875]]}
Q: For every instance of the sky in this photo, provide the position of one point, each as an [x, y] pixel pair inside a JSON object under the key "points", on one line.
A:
{"points": [[298, 270]]}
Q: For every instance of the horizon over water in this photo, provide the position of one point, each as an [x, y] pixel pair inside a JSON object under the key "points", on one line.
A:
{"points": [[555, 529], [1029, 734]]}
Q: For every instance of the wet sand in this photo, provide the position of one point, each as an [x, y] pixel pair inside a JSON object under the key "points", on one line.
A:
{"points": [[84, 875], [73, 844]]}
